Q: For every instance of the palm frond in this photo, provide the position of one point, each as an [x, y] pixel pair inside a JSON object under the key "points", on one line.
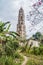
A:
{"points": [[15, 33], [8, 27], [6, 23]]}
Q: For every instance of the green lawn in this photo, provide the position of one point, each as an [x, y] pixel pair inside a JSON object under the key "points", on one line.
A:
{"points": [[35, 60]]}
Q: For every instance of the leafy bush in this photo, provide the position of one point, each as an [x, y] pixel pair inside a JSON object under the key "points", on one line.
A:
{"points": [[9, 61], [41, 50], [8, 51], [2, 60], [30, 51], [0, 53], [36, 51], [16, 55]]}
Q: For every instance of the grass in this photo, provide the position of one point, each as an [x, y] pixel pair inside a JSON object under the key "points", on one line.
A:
{"points": [[8, 60], [18, 60], [0, 45], [35, 60]]}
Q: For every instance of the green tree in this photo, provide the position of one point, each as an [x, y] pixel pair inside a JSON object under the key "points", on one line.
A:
{"points": [[37, 36], [7, 37]]}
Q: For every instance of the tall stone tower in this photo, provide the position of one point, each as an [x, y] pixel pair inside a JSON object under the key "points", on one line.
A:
{"points": [[21, 24]]}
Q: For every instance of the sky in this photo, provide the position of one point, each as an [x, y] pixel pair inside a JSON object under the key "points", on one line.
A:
{"points": [[9, 10]]}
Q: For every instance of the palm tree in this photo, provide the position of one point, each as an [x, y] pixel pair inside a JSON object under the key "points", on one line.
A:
{"points": [[4, 31], [5, 36]]}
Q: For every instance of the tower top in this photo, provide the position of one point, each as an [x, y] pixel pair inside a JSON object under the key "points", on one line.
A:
{"points": [[21, 15], [21, 10]]}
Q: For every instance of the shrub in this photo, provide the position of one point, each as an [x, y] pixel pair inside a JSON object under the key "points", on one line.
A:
{"points": [[0, 53], [35, 51], [2, 60], [8, 51], [31, 51], [16, 55], [9, 61], [41, 50]]}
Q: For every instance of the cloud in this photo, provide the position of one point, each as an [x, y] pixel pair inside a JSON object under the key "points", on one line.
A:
{"points": [[9, 12]]}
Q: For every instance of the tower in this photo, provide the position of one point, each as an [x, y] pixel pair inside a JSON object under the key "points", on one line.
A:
{"points": [[21, 24]]}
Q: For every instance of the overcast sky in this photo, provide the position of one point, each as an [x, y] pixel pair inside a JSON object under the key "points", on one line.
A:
{"points": [[9, 12]]}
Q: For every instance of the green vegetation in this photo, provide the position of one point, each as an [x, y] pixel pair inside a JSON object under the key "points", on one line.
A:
{"points": [[35, 54], [9, 46], [35, 60]]}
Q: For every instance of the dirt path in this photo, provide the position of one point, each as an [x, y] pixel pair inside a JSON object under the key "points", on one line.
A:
{"points": [[25, 59]]}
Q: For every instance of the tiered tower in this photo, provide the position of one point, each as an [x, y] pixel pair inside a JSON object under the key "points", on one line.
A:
{"points": [[21, 24]]}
